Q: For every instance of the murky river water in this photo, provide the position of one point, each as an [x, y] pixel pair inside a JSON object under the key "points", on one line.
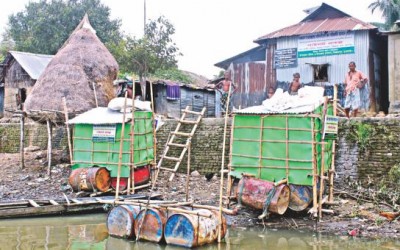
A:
{"points": [[90, 232]]}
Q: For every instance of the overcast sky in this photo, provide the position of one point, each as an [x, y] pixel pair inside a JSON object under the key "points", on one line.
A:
{"points": [[210, 31]]}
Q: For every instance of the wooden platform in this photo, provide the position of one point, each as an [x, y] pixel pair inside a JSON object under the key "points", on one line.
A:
{"points": [[35, 207]]}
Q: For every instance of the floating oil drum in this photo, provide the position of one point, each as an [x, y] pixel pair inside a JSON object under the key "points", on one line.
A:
{"points": [[300, 197], [254, 193], [190, 230], [90, 179], [152, 227], [141, 176], [121, 221]]}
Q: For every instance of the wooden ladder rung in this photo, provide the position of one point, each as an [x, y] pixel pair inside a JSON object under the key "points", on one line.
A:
{"points": [[171, 158], [177, 145], [192, 112], [181, 133], [188, 122], [33, 203], [53, 202], [168, 169]]}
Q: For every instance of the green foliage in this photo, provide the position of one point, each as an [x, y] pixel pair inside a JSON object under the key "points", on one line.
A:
{"points": [[360, 133], [394, 175], [155, 51], [173, 74], [45, 25], [390, 11]]}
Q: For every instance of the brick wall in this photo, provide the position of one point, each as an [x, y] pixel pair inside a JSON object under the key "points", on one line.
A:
{"points": [[367, 148], [35, 135]]}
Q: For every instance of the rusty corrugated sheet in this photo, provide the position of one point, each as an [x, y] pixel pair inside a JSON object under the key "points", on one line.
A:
{"points": [[249, 79], [324, 19], [321, 25]]}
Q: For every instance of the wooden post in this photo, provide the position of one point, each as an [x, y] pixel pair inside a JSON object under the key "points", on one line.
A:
{"points": [[154, 129], [229, 181], [332, 170], [68, 132], [131, 179], [21, 140], [95, 94], [121, 146], [321, 181], [222, 166], [49, 135], [314, 164], [188, 171]]}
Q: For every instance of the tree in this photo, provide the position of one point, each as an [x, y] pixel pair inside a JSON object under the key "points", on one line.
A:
{"points": [[390, 11], [45, 25], [155, 51]]}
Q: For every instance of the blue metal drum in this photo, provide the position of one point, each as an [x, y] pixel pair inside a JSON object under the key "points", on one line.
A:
{"points": [[121, 220]]}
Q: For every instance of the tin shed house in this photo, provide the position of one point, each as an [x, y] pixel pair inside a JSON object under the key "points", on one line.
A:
{"points": [[19, 73], [319, 47]]}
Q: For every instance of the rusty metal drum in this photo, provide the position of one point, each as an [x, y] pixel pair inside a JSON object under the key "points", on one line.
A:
{"points": [[254, 192], [121, 221], [90, 179], [190, 230], [300, 197], [152, 225]]}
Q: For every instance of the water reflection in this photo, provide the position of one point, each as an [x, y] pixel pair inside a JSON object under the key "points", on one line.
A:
{"points": [[90, 232]]}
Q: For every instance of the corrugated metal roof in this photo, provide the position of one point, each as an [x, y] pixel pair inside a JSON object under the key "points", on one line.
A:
{"points": [[325, 19], [33, 64], [100, 115]]}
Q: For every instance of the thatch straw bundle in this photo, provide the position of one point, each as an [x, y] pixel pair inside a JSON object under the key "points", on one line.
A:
{"points": [[82, 71]]}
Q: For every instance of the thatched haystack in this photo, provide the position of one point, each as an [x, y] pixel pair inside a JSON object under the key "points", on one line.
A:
{"points": [[82, 71]]}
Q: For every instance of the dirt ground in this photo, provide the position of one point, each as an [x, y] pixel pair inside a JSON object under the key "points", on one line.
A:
{"points": [[351, 217]]}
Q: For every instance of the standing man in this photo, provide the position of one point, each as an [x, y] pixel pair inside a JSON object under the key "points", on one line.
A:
{"points": [[354, 81], [223, 89]]}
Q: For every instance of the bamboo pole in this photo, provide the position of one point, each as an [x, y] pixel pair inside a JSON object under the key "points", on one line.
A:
{"points": [[154, 129], [230, 180], [332, 170], [121, 145], [260, 143], [21, 141], [188, 170], [95, 94], [225, 210], [321, 181], [287, 148], [314, 164], [49, 134], [131, 179], [68, 132], [222, 166]]}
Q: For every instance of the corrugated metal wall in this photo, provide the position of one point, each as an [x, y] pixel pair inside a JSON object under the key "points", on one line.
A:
{"points": [[338, 65], [250, 81], [196, 98]]}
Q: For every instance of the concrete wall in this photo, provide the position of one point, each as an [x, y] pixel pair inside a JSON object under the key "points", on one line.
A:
{"points": [[366, 149]]}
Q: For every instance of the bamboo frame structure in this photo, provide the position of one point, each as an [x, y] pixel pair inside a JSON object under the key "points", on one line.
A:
{"points": [[332, 169], [188, 169], [21, 141], [68, 131], [222, 165], [230, 180], [49, 135], [120, 150], [131, 178]]}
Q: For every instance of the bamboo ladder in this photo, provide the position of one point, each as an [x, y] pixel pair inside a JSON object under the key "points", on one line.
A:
{"points": [[185, 146]]}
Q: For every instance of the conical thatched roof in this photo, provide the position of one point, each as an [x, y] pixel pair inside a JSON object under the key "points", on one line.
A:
{"points": [[82, 70]]}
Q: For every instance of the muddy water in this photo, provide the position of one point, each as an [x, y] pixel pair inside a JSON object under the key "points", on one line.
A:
{"points": [[90, 232]]}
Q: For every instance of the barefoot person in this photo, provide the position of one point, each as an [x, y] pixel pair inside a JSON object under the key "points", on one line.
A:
{"points": [[223, 89], [295, 85], [354, 81]]}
